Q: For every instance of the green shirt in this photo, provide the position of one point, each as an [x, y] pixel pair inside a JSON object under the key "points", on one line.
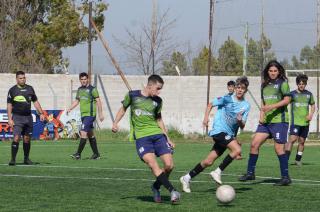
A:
{"points": [[87, 98], [144, 113], [300, 107], [274, 93]]}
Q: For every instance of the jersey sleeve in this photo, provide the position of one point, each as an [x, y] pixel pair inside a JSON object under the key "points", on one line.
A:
{"points": [[33, 95], [311, 101], [95, 93], [245, 114], [285, 90], [126, 102], [10, 97], [78, 95], [158, 110], [218, 101]]}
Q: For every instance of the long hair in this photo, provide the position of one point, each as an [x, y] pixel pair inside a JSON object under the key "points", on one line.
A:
{"points": [[266, 79]]}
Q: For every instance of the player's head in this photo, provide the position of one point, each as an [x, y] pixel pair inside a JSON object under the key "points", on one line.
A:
{"points": [[273, 70], [301, 81], [155, 84], [21, 78], [230, 85], [241, 86], [84, 79]]}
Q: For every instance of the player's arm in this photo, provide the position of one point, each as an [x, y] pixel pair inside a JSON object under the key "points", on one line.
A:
{"points": [[285, 101], [99, 105], [206, 115], [39, 109], [119, 116], [311, 112], [9, 111], [74, 104], [261, 115], [164, 130]]}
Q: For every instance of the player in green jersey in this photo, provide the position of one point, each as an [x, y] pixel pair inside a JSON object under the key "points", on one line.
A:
{"points": [[88, 98], [302, 109], [150, 134]]}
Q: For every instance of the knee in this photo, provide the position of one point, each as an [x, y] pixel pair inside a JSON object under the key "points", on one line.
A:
{"points": [[207, 162], [237, 151], [254, 146], [168, 167]]}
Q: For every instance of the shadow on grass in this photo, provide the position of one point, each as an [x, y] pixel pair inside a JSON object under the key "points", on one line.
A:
{"points": [[150, 198]]}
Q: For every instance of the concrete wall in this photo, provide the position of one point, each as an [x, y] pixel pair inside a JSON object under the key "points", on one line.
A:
{"points": [[184, 97]]}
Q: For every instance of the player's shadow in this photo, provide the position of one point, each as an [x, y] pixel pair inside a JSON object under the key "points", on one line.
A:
{"points": [[238, 190], [33, 164], [221, 205], [303, 164], [150, 198]]}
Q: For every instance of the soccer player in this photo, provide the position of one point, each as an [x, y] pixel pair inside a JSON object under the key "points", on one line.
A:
{"points": [[231, 86], [273, 123], [88, 97], [149, 132], [20, 119], [232, 115], [301, 115]]}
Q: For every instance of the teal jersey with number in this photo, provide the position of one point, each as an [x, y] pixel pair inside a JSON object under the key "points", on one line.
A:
{"points": [[273, 93], [87, 98], [144, 112], [300, 102]]}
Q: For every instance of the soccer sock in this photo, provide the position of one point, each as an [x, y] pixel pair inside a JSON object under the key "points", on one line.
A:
{"points": [[299, 156], [163, 179], [252, 163], [14, 150], [93, 144], [196, 170], [26, 149], [227, 160], [81, 145], [288, 154], [157, 183], [283, 165]]}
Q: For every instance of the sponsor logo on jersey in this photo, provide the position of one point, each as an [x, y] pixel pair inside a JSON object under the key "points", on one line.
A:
{"points": [[140, 112]]}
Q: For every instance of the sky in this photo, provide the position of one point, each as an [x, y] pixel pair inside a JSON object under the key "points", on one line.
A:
{"points": [[289, 24]]}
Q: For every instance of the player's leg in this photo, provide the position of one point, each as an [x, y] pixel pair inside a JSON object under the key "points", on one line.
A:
{"points": [[85, 128], [300, 150], [259, 138], [17, 130], [294, 135], [93, 141], [27, 133]]}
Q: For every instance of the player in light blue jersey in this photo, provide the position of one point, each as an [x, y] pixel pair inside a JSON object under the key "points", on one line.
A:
{"points": [[232, 114]]}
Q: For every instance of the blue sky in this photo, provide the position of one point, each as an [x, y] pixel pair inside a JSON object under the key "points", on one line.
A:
{"points": [[290, 24]]}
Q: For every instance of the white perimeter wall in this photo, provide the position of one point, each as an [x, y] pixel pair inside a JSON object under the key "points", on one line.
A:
{"points": [[184, 97]]}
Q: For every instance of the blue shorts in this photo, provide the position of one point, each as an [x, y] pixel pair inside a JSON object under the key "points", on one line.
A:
{"points": [[277, 131], [87, 123], [156, 144], [301, 131]]}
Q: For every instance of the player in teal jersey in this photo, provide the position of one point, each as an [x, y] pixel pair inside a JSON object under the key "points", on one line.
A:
{"points": [[149, 133], [302, 109], [88, 97], [275, 95]]}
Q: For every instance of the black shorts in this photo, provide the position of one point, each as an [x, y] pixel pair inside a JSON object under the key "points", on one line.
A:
{"points": [[221, 141], [23, 125]]}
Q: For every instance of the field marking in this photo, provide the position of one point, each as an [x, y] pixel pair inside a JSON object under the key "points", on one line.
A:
{"points": [[133, 179], [148, 170]]}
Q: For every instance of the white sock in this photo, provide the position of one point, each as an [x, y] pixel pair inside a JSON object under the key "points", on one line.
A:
{"points": [[187, 177], [218, 171], [300, 153]]}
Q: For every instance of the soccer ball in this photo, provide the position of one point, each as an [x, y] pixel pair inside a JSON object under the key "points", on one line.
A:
{"points": [[225, 194]]}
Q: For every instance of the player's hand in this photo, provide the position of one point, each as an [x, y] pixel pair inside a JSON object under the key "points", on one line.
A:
{"points": [[115, 128], [261, 118], [68, 111], [42, 118], [239, 116], [266, 108], [171, 143], [11, 123], [101, 118], [205, 122], [309, 117]]}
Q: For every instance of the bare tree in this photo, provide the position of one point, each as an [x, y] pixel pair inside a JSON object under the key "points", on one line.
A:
{"points": [[153, 42]]}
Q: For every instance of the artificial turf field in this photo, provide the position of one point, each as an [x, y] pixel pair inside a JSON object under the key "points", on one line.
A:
{"points": [[119, 181]]}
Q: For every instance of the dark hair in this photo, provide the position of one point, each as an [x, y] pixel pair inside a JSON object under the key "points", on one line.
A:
{"points": [[242, 81], [20, 73], [301, 77], [83, 74], [154, 78], [230, 83], [265, 75]]}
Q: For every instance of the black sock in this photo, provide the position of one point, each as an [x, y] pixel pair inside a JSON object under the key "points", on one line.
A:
{"points": [[157, 183], [26, 149], [288, 154], [81, 145], [14, 150], [93, 144], [298, 157], [227, 160], [163, 179], [196, 170]]}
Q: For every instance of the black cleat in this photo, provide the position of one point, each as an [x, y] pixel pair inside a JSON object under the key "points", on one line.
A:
{"points": [[247, 177], [76, 156], [27, 162], [95, 157], [284, 181], [12, 163]]}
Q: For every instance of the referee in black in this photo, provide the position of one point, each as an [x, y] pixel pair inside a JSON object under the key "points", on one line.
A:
{"points": [[20, 120]]}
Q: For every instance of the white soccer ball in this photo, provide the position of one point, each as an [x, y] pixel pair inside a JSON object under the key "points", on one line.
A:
{"points": [[225, 194]]}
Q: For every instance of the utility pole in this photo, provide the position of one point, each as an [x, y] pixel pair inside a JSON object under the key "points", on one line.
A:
{"points": [[318, 43], [89, 43], [153, 31], [245, 50], [262, 37]]}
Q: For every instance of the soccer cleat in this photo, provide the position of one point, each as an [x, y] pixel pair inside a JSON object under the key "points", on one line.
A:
{"points": [[27, 162], [216, 177], [175, 196], [285, 181], [12, 163], [246, 177], [185, 185], [95, 157], [76, 156], [298, 163], [156, 194]]}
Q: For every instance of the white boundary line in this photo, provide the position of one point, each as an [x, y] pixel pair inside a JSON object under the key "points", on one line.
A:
{"points": [[140, 169]]}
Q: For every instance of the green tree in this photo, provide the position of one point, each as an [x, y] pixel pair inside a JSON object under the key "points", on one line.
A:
{"points": [[36, 31], [177, 59], [200, 63]]}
